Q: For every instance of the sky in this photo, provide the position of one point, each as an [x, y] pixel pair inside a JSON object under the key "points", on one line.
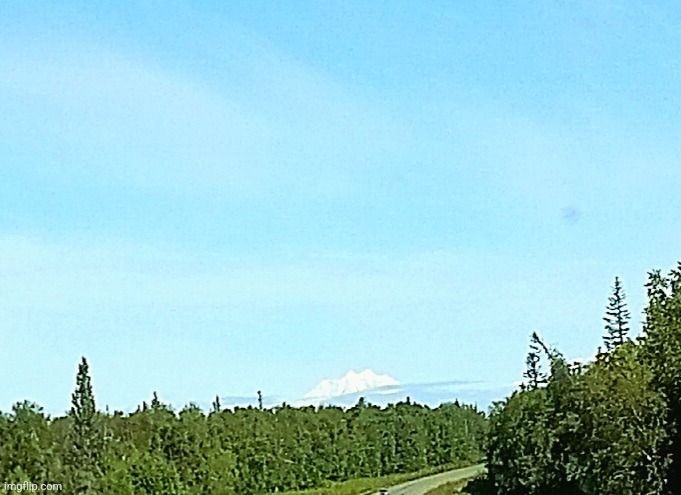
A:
{"points": [[222, 197]]}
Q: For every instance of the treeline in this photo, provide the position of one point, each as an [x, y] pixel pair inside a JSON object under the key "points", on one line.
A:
{"points": [[610, 427], [226, 452]]}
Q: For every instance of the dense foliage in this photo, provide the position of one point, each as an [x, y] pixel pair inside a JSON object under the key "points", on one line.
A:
{"points": [[243, 451], [607, 428]]}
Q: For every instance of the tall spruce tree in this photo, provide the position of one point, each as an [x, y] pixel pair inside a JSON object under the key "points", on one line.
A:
{"points": [[535, 377], [616, 317], [83, 400], [85, 447]]}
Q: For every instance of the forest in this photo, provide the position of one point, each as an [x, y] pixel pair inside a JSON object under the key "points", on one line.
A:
{"points": [[609, 427], [155, 450]]}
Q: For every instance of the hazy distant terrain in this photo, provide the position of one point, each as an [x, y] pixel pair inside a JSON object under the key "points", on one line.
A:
{"points": [[382, 390]]}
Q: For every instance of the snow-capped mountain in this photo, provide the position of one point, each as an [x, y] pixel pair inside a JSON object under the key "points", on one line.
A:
{"points": [[351, 383], [381, 390]]}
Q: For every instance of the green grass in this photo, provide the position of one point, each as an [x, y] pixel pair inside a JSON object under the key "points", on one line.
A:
{"points": [[364, 486], [449, 488], [476, 486]]}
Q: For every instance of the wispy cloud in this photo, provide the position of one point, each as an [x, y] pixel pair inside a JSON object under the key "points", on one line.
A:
{"points": [[114, 274], [118, 116], [231, 312]]}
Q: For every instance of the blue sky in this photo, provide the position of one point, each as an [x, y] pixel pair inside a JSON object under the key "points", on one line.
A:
{"points": [[220, 197]]}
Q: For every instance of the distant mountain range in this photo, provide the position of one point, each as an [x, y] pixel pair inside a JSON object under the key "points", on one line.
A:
{"points": [[351, 383], [381, 390]]}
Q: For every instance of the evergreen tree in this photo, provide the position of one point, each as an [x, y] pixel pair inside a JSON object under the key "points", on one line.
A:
{"points": [[83, 401], [85, 446], [155, 402], [535, 377], [616, 317], [217, 407]]}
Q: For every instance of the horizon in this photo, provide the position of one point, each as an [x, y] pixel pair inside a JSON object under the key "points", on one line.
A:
{"points": [[219, 199], [432, 394]]}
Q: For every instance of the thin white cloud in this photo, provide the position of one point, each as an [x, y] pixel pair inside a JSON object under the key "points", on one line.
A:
{"points": [[115, 116], [403, 293]]}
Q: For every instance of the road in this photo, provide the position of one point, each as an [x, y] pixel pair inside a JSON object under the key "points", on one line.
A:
{"points": [[422, 486]]}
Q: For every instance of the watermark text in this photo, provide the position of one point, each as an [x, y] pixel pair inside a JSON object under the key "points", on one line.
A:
{"points": [[27, 486]]}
